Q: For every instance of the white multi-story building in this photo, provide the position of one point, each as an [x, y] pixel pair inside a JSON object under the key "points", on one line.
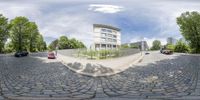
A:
{"points": [[106, 37]]}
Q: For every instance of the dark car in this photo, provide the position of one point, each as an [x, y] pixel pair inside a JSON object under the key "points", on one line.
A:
{"points": [[21, 54], [147, 53], [165, 51], [51, 55]]}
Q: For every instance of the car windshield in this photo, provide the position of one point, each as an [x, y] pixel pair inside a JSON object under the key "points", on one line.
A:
{"points": [[99, 50]]}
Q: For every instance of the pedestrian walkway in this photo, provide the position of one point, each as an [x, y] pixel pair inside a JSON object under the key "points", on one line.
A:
{"points": [[100, 67]]}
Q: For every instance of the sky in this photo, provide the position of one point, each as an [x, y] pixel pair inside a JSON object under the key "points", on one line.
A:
{"points": [[137, 19]]}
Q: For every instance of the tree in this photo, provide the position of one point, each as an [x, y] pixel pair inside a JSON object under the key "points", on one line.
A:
{"points": [[181, 47], [9, 47], [4, 31], [156, 45], [33, 33], [64, 43], [41, 44], [19, 33], [81, 45], [53, 45], [74, 43], [189, 23]]}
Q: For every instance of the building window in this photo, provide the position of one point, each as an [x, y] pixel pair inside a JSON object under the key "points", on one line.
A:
{"points": [[106, 30], [103, 39], [109, 35], [110, 31], [103, 34], [109, 40], [103, 30], [114, 36], [114, 40]]}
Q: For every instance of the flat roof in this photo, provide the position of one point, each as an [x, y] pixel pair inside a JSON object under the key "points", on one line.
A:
{"points": [[106, 26]]}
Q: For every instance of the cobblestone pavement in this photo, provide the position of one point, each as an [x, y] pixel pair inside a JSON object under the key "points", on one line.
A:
{"points": [[35, 77]]}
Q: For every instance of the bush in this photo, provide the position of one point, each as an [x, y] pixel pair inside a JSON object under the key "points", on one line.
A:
{"points": [[170, 47], [181, 47]]}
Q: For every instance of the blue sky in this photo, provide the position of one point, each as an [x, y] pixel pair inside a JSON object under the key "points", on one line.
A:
{"points": [[147, 19]]}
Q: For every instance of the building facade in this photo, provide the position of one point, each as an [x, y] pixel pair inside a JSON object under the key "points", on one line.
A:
{"points": [[142, 45], [171, 40], [106, 37]]}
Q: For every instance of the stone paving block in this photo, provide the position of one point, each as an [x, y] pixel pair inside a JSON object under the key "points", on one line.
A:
{"points": [[1, 98], [39, 79]]}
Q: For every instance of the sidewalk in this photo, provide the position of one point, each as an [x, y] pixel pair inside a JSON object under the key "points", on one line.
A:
{"points": [[99, 67]]}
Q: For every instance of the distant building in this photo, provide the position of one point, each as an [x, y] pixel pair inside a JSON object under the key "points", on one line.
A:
{"points": [[142, 45], [171, 40], [184, 41], [106, 37]]}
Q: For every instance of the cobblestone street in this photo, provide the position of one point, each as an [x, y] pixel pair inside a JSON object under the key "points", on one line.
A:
{"points": [[35, 77]]}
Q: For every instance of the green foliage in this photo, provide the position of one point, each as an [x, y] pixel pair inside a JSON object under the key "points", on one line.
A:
{"points": [[156, 45], [124, 46], [33, 37], [41, 44], [181, 47], [100, 54], [4, 28], [189, 23], [170, 47], [25, 35], [53, 45], [9, 47], [76, 44], [19, 33], [64, 43], [134, 46]]}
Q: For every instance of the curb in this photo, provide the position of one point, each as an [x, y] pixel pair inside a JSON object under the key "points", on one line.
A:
{"points": [[99, 75]]}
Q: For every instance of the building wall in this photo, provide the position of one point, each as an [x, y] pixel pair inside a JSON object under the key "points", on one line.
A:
{"points": [[106, 38], [171, 40]]}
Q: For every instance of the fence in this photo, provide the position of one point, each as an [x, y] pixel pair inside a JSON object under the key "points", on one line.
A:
{"points": [[98, 54]]}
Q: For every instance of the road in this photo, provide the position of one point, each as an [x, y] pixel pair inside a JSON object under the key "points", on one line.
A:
{"points": [[157, 76]]}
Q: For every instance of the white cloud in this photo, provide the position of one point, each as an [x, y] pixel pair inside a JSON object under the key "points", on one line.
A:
{"points": [[74, 19], [105, 8]]}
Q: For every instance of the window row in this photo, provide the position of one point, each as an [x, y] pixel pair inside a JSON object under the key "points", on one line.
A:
{"points": [[108, 35], [108, 40]]}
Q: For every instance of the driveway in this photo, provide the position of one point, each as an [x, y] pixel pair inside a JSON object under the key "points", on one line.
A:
{"points": [[157, 76]]}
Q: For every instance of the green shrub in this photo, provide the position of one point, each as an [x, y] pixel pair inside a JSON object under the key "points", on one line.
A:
{"points": [[170, 47], [181, 47]]}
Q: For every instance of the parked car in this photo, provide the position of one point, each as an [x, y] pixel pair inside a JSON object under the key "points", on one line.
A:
{"points": [[21, 54], [166, 51], [147, 53], [51, 55]]}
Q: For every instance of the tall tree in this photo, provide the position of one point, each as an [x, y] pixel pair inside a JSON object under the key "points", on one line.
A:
{"points": [[53, 45], [4, 28], [33, 33], [19, 33], [189, 23], [156, 45], [64, 43], [74, 43], [41, 44]]}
